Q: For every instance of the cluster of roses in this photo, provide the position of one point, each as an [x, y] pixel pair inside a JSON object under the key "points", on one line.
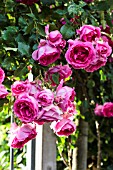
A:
{"points": [[3, 90], [49, 50], [36, 105], [105, 110], [88, 52]]}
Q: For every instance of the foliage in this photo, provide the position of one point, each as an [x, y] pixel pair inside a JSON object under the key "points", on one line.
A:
{"points": [[21, 28]]}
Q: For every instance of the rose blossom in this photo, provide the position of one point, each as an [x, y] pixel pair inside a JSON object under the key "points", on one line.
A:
{"points": [[21, 135], [49, 114], [26, 108], [62, 71], [45, 97], [103, 50], [27, 2], [98, 110], [108, 109], [46, 54], [55, 38], [64, 127], [89, 33], [80, 54], [3, 91], [2, 75], [63, 96], [19, 87]]}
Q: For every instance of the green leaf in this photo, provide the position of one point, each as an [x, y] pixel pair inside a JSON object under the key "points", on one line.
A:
{"points": [[102, 6], [48, 2], [76, 9], [23, 48], [67, 31], [61, 12], [21, 71], [9, 63], [29, 28], [2, 101], [55, 78], [9, 33]]}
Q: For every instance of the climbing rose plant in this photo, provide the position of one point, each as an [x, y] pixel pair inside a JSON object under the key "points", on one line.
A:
{"points": [[35, 104]]}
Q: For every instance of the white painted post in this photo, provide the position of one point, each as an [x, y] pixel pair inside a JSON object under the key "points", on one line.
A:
{"points": [[45, 148]]}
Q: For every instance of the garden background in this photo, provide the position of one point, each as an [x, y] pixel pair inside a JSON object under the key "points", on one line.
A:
{"points": [[22, 26]]}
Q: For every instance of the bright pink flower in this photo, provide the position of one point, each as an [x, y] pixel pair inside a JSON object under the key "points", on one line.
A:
{"points": [[80, 54], [103, 50], [21, 135], [108, 109], [98, 110], [89, 33], [26, 108], [19, 87], [46, 54], [49, 114], [2, 75], [64, 127], [27, 2], [63, 96], [3, 91], [55, 38], [45, 97], [62, 71]]}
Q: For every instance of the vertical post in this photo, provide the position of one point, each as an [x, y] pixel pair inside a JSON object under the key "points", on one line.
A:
{"points": [[31, 155], [45, 149], [82, 146], [11, 149]]}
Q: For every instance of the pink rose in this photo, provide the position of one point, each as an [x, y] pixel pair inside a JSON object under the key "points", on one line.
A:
{"points": [[98, 110], [19, 87], [46, 54], [80, 54], [103, 50], [27, 2], [55, 38], [63, 96], [108, 109], [89, 33], [21, 135], [62, 71], [2, 75], [64, 127], [3, 91], [49, 114], [45, 97], [26, 108]]}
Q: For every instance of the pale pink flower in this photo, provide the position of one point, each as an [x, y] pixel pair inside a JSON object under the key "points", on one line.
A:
{"points": [[19, 136], [64, 127]]}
